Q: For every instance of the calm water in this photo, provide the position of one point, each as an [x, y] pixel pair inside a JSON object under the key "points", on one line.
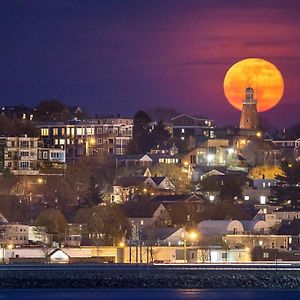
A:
{"points": [[153, 294]]}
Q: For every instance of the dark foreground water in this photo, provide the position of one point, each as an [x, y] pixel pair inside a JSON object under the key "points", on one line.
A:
{"points": [[145, 294]]}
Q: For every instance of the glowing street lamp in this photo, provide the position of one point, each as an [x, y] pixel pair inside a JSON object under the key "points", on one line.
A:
{"points": [[192, 236]]}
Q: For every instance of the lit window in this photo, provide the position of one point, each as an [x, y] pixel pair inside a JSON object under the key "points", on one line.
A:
{"points": [[55, 131], [182, 130], [44, 131], [262, 199], [246, 197]]}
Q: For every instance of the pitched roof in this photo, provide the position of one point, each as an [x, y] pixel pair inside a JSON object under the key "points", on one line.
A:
{"points": [[177, 198], [141, 209], [158, 179], [161, 233], [130, 181]]}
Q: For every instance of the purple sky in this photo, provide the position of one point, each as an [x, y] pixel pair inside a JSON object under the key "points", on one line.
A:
{"points": [[121, 56]]}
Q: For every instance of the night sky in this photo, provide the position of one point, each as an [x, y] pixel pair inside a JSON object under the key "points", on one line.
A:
{"points": [[121, 56]]}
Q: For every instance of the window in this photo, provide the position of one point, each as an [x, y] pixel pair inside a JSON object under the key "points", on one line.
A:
{"points": [[55, 131], [44, 131], [24, 153], [24, 165], [262, 199], [63, 131], [45, 155], [142, 222], [24, 144], [99, 130], [182, 130], [80, 151], [79, 131], [90, 131]]}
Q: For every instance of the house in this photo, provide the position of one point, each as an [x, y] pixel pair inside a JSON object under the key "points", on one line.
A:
{"points": [[287, 147], [266, 213], [178, 198], [19, 155], [286, 214], [251, 241], [143, 214], [292, 229], [147, 160], [89, 137], [161, 149], [52, 155], [220, 227], [192, 129], [170, 236], [139, 160], [126, 188], [217, 255], [22, 234], [58, 256], [209, 152], [18, 112]]}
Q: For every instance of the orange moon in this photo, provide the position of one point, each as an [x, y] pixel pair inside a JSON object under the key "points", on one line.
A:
{"points": [[261, 75]]}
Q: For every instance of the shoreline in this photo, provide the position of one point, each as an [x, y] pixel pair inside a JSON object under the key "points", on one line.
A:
{"points": [[107, 278]]}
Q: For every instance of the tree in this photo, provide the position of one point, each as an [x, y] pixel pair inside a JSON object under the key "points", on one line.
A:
{"points": [[227, 188], [287, 189], [141, 132], [159, 135], [106, 224], [162, 113], [179, 178], [231, 188], [265, 171], [54, 222], [48, 110]]}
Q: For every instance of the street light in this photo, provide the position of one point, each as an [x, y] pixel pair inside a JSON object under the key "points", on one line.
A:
{"points": [[192, 235]]}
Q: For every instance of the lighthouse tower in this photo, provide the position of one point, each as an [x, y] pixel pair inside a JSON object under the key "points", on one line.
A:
{"points": [[249, 117]]}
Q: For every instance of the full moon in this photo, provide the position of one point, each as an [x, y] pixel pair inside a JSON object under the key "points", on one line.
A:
{"points": [[261, 75]]}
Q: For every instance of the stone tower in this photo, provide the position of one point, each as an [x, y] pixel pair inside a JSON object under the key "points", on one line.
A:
{"points": [[249, 117]]}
